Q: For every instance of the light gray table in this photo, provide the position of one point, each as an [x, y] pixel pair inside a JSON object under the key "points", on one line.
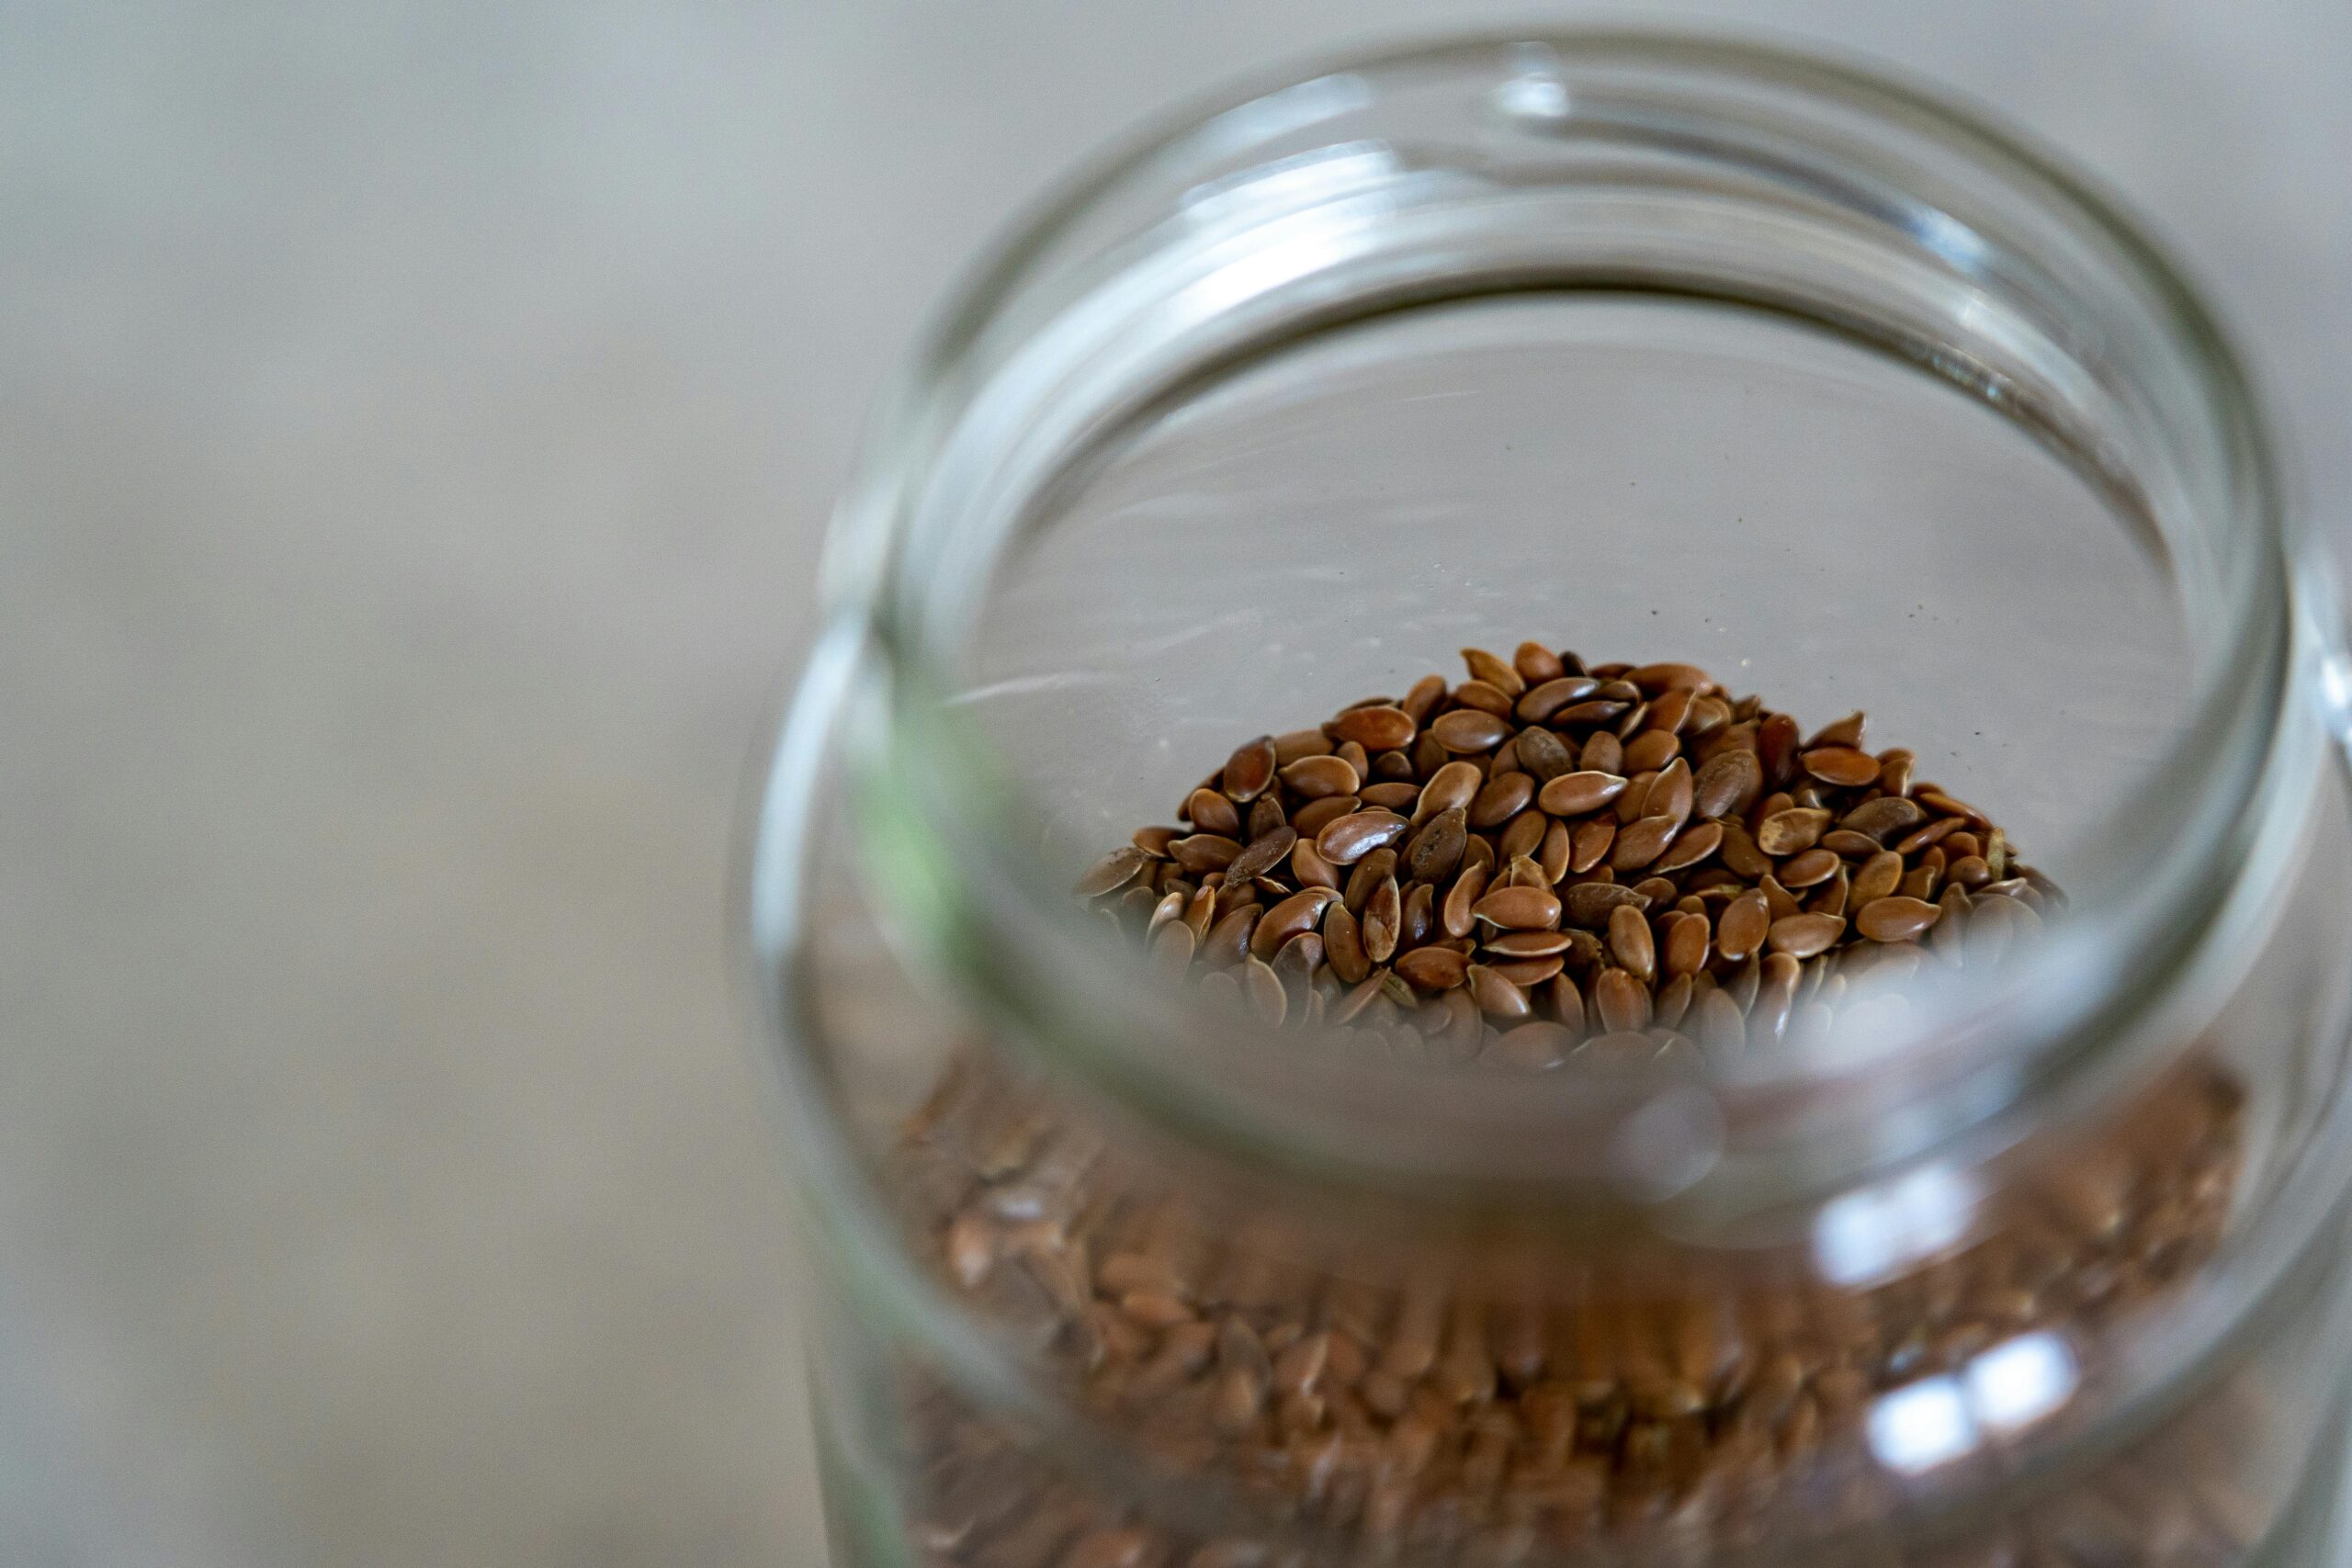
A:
{"points": [[415, 422]]}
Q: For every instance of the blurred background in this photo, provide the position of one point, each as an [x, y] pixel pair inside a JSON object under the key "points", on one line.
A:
{"points": [[416, 424]]}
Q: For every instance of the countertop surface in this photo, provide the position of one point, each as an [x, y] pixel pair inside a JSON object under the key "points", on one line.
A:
{"points": [[416, 423]]}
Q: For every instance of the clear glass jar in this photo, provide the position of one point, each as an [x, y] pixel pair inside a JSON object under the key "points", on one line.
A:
{"points": [[1666, 349]]}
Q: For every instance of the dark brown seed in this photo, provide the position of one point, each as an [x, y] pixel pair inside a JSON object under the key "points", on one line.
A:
{"points": [[1602, 753], [1796, 829], [1536, 663], [1298, 960], [1212, 812], [1597, 711], [1228, 942], [1311, 818], [1455, 917], [1249, 770], [1776, 749], [1312, 778], [1542, 755], [1642, 842], [1290, 746], [1266, 814], [1669, 711], [1746, 921], [1895, 772], [1936, 801], [1651, 749], [1686, 944], [1833, 897], [1573, 794], [1543, 701], [1588, 904], [1778, 899], [1728, 785], [1366, 876], [1343, 945], [1500, 800], [1631, 944], [1524, 834], [1801, 936], [1299, 912], [1428, 755], [1433, 968], [1452, 787], [1847, 845], [1262, 855], [1842, 766], [1484, 696], [1485, 667], [1352, 837], [1689, 848], [1309, 869], [1655, 677], [1519, 908], [1203, 853], [1434, 852], [1591, 842], [1495, 997], [1889, 918], [1113, 872], [1879, 876], [1420, 916], [1621, 1002], [1467, 730], [1422, 701], [1808, 867], [1554, 853], [1385, 727], [1887, 818]]}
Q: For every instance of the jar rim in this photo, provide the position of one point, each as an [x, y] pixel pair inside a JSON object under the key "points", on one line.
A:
{"points": [[2016, 1032]]}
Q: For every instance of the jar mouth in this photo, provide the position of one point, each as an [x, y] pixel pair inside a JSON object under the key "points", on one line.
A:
{"points": [[2024, 289]]}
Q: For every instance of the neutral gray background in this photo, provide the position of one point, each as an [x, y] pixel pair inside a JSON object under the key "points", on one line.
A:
{"points": [[415, 424]]}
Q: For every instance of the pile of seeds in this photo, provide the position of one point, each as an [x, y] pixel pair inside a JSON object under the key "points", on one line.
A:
{"points": [[1540, 866], [1545, 860]]}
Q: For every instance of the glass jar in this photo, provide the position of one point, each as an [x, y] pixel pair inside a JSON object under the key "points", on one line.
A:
{"points": [[2028, 1251]]}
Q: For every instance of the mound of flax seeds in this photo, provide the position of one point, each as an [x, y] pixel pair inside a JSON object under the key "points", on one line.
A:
{"points": [[1543, 865]]}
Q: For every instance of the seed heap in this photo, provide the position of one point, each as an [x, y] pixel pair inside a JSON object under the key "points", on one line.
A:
{"points": [[1543, 859], [1541, 865]]}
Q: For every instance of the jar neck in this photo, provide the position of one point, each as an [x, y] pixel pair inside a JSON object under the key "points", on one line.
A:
{"points": [[1627, 164]]}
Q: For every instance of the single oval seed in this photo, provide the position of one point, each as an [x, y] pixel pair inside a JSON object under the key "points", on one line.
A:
{"points": [[1890, 918], [1808, 867], [1745, 923], [1484, 665], [1249, 770], [1549, 698], [1651, 749], [1727, 784], [1203, 853], [1294, 744], [1113, 872], [1671, 793], [1536, 663], [1299, 912], [1495, 995], [1452, 787], [1543, 755], [1154, 842], [1312, 778], [1553, 852], [1519, 908], [1597, 711], [1383, 728], [1422, 701], [1631, 944], [1264, 991], [1776, 749], [1887, 816], [1879, 876], [1172, 950], [1850, 844], [1573, 794], [1842, 766], [1589, 844], [1602, 753], [1433, 968], [1454, 915], [1356, 835], [1801, 936], [1468, 730], [1298, 959], [1643, 842], [1689, 848], [1934, 833], [1484, 696], [1316, 815], [1621, 1002], [1343, 945], [1262, 854], [1788, 833], [1500, 800], [1514, 944], [1655, 677], [1309, 869], [1686, 944], [1213, 812], [1524, 834], [1588, 904], [1435, 851]]}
